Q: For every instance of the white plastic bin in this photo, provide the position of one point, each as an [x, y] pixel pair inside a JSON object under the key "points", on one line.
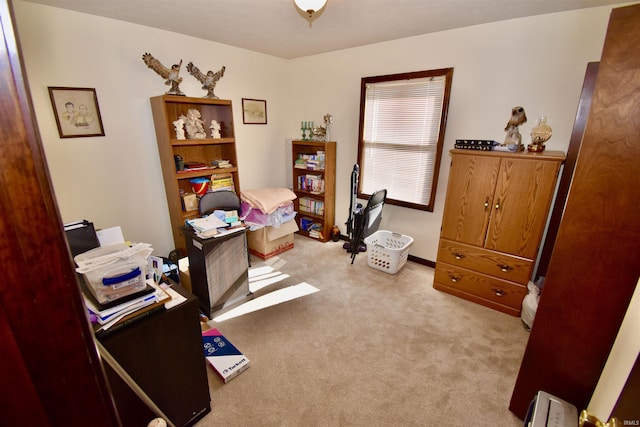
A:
{"points": [[112, 272], [388, 251]]}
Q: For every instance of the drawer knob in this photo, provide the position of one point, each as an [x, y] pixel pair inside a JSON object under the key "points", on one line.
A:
{"points": [[498, 292], [486, 203], [458, 255], [454, 278], [504, 267]]}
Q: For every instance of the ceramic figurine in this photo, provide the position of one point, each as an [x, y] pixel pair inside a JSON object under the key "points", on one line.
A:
{"points": [[171, 74], [215, 129], [195, 125], [518, 117], [179, 126], [208, 80]]}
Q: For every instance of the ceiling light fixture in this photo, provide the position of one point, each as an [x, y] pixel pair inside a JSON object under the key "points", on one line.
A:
{"points": [[310, 9]]}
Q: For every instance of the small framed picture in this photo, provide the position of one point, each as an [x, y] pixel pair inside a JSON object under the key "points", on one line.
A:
{"points": [[76, 111], [254, 111]]}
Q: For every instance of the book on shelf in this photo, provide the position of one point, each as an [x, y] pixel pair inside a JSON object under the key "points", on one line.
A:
{"points": [[310, 161], [311, 183], [311, 206], [221, 163], [311, 226], [221, 182]]}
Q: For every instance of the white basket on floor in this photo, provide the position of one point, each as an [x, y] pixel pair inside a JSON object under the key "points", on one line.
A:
{"points": [[388, 251]]}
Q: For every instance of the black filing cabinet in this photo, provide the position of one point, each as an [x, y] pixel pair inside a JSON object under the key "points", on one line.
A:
{"points": [[163, 354]]}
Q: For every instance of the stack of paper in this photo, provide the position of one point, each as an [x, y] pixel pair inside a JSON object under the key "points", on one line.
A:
{"points": [[207, 226], [111, 316]]}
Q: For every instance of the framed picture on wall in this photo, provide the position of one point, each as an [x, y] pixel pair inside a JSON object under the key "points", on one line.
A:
{"points": [[76, 111], [254, 111]]}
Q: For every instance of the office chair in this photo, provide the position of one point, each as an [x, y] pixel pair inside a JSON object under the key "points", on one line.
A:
{"points": [[224, 200]]}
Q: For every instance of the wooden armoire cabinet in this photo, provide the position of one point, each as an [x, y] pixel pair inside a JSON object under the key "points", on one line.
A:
{"points": [[594, 266], [494, 217]]}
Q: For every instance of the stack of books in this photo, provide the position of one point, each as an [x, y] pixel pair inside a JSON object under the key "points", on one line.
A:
{"points": [[222, 164], [312, 227], [310, 161], [222, 181]]}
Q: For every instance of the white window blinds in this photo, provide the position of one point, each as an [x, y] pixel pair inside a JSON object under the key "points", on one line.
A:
{"points": [[401, 132]]}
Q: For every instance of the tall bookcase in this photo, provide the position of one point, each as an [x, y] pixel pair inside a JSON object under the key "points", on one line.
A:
{"points": [[166, 110], [314, 182]]}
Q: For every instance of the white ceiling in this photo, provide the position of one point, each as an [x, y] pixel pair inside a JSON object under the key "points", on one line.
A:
{"points": [[275, 27]]}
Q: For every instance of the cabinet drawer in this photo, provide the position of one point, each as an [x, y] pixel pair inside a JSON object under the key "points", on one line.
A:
{"points": [[504, 266], [480, 287]]}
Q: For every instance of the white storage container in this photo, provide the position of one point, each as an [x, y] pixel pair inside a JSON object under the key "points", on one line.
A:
{"points": [[388, 251], [112, 272]]}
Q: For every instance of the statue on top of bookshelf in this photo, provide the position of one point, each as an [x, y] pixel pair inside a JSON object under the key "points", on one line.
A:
{"points": [[208, 80], [194, 124], [172, 75]]}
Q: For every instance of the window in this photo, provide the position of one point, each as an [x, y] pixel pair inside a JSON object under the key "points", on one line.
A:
{"points": [[402, 123]]}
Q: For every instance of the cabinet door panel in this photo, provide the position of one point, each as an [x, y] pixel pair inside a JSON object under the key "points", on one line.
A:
{"points": [[468, 205], [520, 206]]}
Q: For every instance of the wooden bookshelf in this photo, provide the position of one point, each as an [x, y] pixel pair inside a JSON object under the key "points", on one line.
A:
{"points": [[314, 183], [167, 109]]}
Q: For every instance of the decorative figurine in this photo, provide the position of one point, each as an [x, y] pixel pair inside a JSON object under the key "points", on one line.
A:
{"points": [[171, 74], [208, 80], [318, 133], [328, 120], [539, 135], [215, 129], [179, 125], [518, 117], [195, 125]]}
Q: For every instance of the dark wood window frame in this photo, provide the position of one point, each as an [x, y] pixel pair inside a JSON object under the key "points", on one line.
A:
{"points": [[408, 149]]}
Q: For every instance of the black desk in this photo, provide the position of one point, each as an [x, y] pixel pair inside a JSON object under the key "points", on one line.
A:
{"points": [[163, 354], [219, 269]]}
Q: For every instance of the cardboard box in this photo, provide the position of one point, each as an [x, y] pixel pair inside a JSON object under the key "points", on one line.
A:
{"points": [[223, 356], [185, 276], [270, 241]]}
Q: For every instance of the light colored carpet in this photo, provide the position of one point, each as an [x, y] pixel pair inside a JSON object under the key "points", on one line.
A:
{"points": [[368, 349]]}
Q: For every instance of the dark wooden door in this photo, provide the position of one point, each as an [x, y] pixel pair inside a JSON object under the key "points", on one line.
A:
{"points": [[594, 266], [50, 372]]}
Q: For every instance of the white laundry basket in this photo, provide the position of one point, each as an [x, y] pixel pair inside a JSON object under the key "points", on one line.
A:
{"points": [[388, 251]]}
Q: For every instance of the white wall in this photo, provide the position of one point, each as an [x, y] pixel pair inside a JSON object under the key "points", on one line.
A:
{"points": [[116, 179], [536, 62]]}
